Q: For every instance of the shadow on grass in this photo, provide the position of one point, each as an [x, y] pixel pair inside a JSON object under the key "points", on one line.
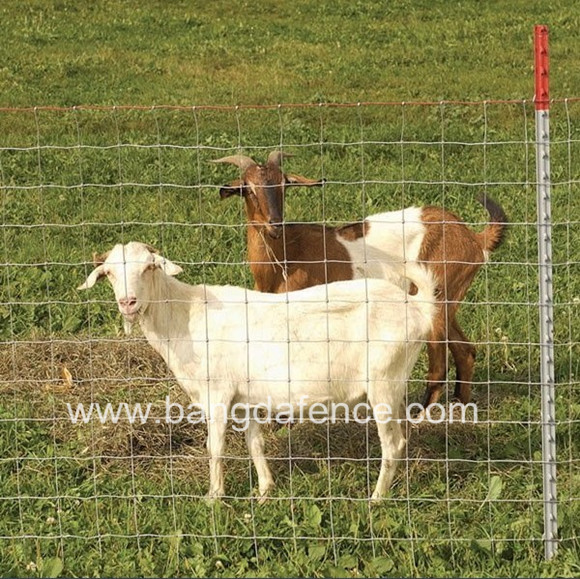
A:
{"points": [[41, 377]]}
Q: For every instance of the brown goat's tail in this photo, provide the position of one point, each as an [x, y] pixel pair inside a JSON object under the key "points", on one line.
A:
{"points": [[492, 236]]}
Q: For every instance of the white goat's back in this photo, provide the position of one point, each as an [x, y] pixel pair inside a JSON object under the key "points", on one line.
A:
{"points": [[326, 342], [391, 239]]}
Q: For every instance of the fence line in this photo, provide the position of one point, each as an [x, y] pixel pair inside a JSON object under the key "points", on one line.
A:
{"points": [[279, 106], [72, 185]]}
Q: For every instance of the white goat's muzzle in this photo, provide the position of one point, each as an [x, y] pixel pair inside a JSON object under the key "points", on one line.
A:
{"points": [[130, 308]]}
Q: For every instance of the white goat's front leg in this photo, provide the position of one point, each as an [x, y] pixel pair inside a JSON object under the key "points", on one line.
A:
{"points": [[216, 437], [255, 442], [392, 445]]}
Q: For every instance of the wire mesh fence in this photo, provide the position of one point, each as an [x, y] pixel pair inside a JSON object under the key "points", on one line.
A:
{"points": [[128, 494]]}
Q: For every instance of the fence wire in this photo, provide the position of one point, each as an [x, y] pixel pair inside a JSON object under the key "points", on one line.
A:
{"points": [[117, 495]]}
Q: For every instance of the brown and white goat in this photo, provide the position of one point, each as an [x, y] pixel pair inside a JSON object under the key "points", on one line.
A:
{"points": [[291, 256]]}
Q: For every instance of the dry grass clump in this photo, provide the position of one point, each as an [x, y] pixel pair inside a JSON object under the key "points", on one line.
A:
{"points": [[39, 378]]}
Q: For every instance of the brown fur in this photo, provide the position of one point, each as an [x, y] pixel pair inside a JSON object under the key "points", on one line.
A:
{"points": [[283, 257], [289, 264], [353, 231], [454, 254]]}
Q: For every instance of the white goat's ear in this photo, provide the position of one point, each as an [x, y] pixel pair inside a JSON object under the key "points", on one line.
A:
{"points": [[167, 266], [93, 278]]}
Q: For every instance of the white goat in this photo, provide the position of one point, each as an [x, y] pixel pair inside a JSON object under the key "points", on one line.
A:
{"points": [[344, 343]]}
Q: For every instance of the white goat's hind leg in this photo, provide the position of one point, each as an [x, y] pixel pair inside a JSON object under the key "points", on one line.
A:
{"points": [[216, 436], [255, 442], [392, 445]]}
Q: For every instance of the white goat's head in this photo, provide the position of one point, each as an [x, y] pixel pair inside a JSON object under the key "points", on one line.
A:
{"points": [[129, 268], [263, 188]]}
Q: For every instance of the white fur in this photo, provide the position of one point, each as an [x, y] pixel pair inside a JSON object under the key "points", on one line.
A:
{"points": [[342, 342], [393, 239]]}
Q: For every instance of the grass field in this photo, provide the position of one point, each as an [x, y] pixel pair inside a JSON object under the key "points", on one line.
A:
{"points": [[127, 500]]}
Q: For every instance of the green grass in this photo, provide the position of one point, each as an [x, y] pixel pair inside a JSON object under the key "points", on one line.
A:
{"points": [[63, 52], [128, 500]]}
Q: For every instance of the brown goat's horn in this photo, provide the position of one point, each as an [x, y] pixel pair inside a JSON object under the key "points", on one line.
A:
{"points": [[241, 161], [275, 157]]}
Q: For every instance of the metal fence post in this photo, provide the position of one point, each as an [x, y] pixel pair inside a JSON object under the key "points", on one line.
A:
{"points": [[546, 309]]}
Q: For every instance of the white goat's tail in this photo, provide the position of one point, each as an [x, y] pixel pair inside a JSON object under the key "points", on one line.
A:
{"points": [[422, 287]]}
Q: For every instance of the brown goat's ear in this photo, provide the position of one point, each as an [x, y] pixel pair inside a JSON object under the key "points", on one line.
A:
{"points": [[236, 187], [300, 181]]}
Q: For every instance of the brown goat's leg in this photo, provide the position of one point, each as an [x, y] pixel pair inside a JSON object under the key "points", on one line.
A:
{"points": [[437, 351], [463, 352]]}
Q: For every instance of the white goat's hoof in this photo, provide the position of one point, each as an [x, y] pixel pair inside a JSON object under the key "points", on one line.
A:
{"points": [[264, 494], [212, 497]]}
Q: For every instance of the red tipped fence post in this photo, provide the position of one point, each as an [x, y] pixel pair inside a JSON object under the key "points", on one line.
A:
{"points": [[542, 106]]}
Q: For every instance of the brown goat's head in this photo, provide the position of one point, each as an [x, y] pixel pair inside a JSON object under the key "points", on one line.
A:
{"points": [[263, 188]]}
